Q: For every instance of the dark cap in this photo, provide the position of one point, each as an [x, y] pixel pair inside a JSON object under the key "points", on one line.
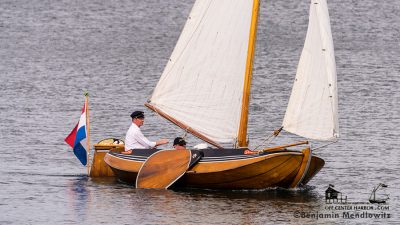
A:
{"points": [[137, 114], [179, 141]]}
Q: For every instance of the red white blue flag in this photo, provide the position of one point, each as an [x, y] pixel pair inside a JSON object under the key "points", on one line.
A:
{"points": [[77, 139]]}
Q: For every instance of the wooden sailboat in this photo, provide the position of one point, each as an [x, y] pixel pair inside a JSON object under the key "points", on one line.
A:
{"points": [[205, 90], [374, 199]]}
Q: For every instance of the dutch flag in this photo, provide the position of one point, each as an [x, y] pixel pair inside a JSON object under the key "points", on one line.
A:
{"points": [[77, 139]]}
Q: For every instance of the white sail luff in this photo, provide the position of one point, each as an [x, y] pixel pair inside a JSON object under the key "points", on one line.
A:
{"points": [[202, 83], [312, 111]]}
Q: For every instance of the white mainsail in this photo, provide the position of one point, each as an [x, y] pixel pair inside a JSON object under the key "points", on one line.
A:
{"points": [[312, 111], [202, 83]]}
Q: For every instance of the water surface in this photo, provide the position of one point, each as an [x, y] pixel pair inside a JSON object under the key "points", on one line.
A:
{"points": [[53, 51]]}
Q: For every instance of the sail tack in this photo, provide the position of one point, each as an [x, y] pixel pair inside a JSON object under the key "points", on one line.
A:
{"points": [[312, 111], [202, 84]]}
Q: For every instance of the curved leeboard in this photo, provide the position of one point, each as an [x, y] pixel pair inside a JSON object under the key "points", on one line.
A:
{"points": [[165, 167]]}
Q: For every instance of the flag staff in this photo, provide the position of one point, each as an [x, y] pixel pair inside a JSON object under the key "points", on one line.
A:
{"points": [[88, 132]]}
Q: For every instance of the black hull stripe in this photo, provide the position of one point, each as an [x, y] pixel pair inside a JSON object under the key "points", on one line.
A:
{"points": [[204, 159], [141, 158], [131, 157]]}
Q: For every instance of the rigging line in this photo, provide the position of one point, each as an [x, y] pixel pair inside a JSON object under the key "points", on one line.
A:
{"points": [[266, 139], [185, 134], [325, 145], [270, 137]]}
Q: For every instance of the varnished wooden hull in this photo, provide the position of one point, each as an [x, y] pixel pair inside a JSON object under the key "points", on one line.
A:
{"points": [[277, 169]]}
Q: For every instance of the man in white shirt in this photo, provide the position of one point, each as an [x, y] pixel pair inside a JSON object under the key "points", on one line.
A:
{"points": [[135, 139]]}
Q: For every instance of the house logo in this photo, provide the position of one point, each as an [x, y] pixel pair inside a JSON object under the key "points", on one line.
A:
{"points": [[334, 196]]}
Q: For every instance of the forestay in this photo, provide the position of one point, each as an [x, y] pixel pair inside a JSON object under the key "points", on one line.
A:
{"points": [[202, 83], [312, 111]]}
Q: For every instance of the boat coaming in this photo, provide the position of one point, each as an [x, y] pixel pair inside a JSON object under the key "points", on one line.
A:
{"points": [[227, 169]]}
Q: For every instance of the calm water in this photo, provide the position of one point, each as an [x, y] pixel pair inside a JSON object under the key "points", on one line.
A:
{"points": [[52, 51]]}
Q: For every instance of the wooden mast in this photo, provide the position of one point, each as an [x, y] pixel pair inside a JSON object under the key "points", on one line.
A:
{"points": [[242, 134]]}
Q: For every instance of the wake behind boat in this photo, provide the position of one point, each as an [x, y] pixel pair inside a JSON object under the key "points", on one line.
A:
{"points": [[209, 73]]}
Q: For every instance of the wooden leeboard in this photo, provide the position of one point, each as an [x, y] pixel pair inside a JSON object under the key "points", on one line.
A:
{"points": [[165, 167]]}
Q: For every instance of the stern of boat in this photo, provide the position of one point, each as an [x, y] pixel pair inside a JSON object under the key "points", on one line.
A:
{"points": [[99, 167]]}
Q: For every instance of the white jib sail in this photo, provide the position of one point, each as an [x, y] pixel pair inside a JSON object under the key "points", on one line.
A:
{"points": [[312, 111], [202, 83]]}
